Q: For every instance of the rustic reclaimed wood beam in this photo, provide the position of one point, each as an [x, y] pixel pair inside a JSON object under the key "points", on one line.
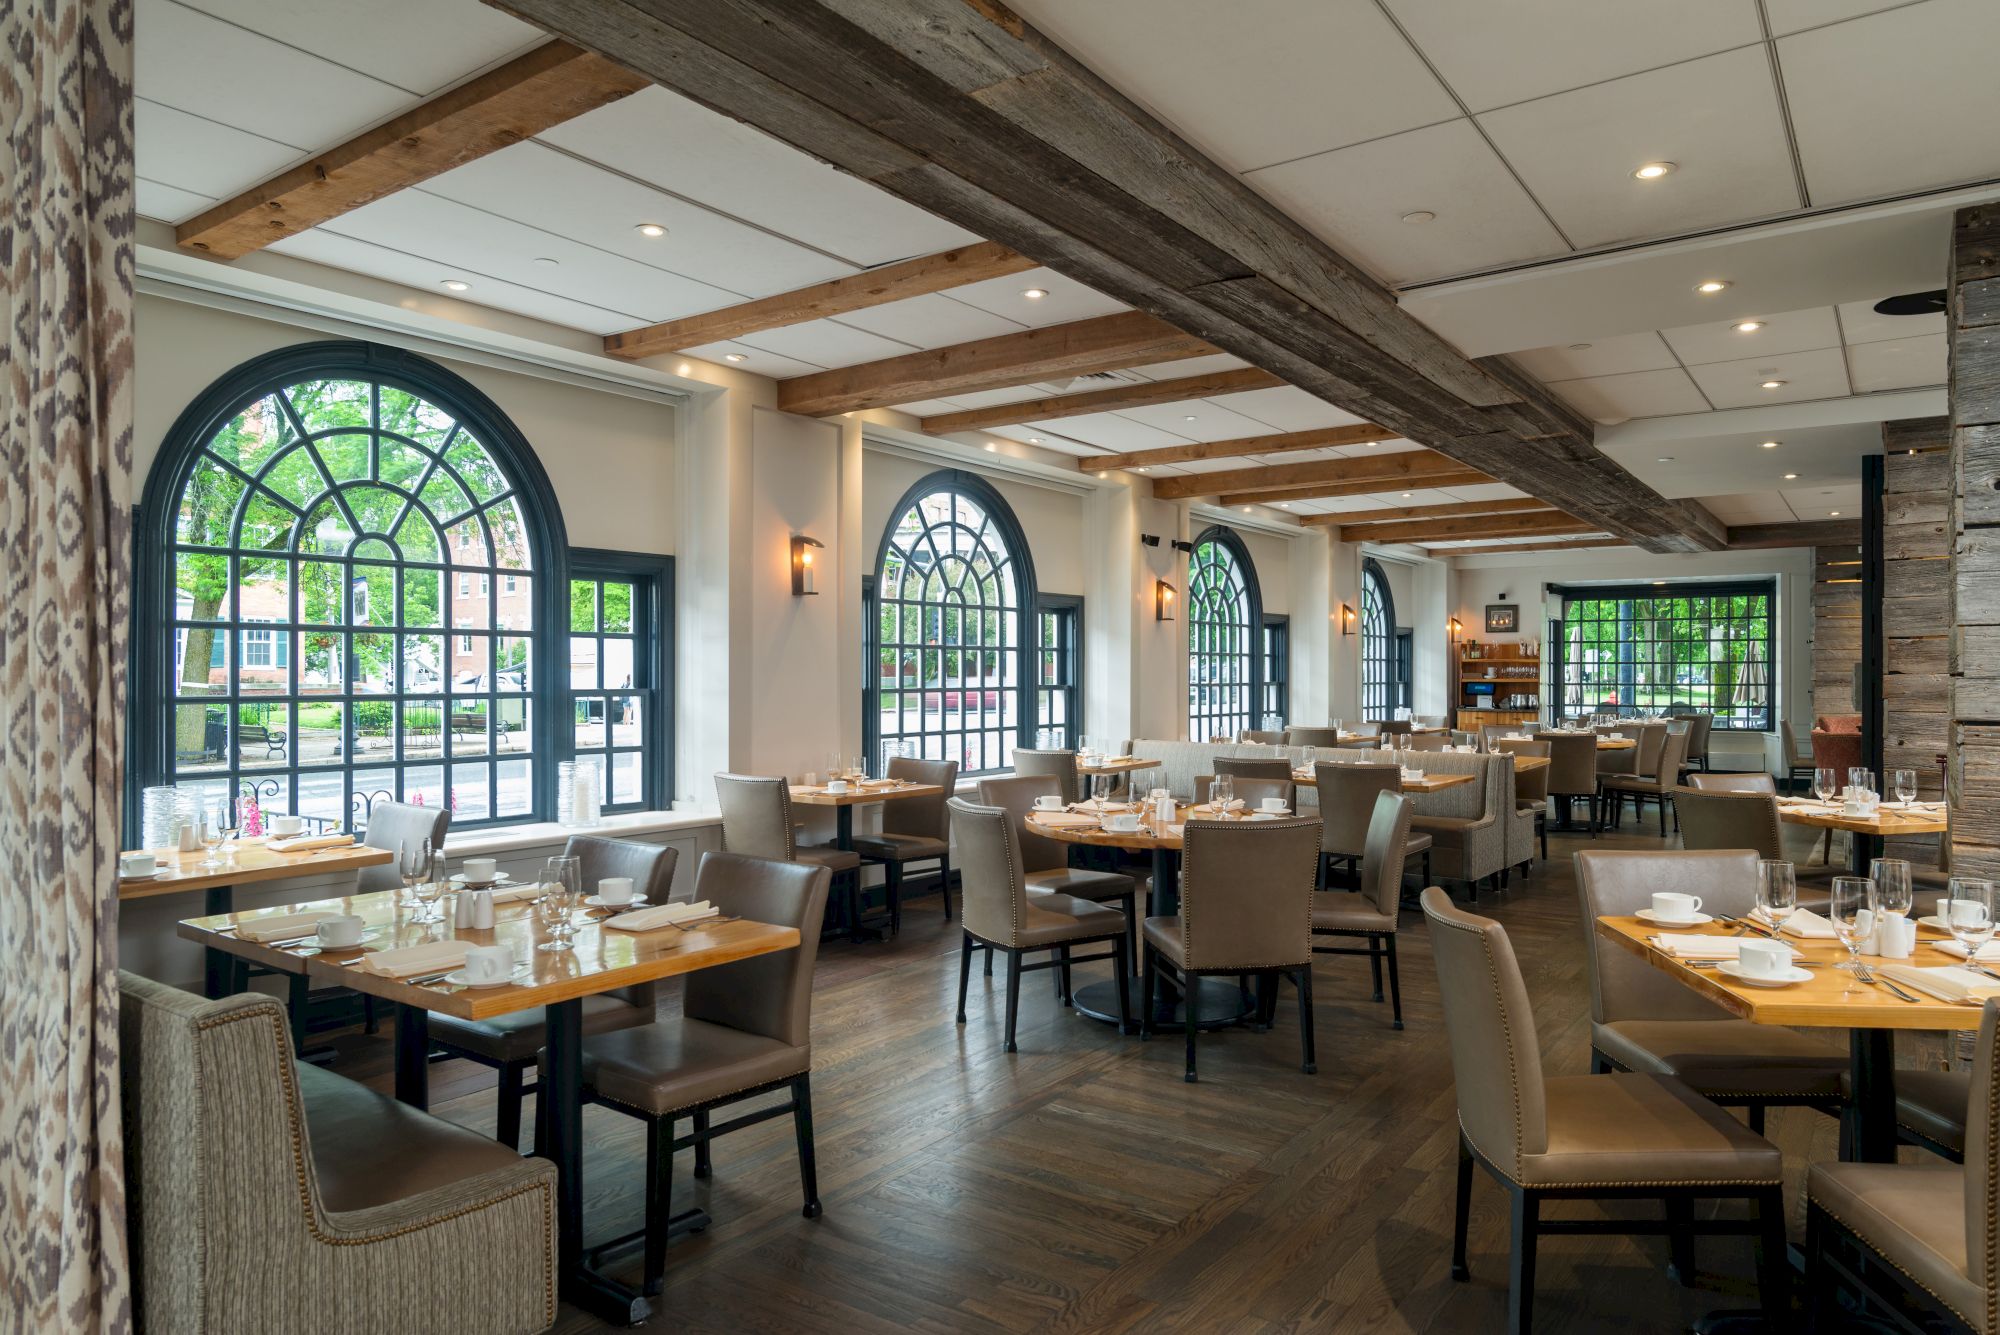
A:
{"points": [[1508, 548], [1405, 466], [1548, 524], [1281, 443], [1812, 533], [1356, 518], [1332, 490], [1142, 394]]}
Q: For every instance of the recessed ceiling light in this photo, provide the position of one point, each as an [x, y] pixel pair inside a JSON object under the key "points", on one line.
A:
{"points": [[457, 285], [1104, 475], [1034, 293], [1419, 216], [1284, 505], [1406, 495], [547, 261], [1372, 444], [1709, 287], [1143, 468], [1791, 477], [682, 369], [1772, 444], [1246, 509], [991, 448], [1772, 384], [734, 357], [1034, 440], [1664, 459], [1834, 513], [650, 229], [1188, 417], [1748, 326], [1653, 171]]}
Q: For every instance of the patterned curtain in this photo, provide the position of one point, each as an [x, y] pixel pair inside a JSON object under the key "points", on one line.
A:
{"points": [[66, 262]]}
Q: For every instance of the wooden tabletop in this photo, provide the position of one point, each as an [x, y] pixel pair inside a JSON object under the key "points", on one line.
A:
{"points": [[1887, 820], [602, 960], [854, 797], [1526, 764], [253, 862], [1831, 1000], [1117, 765], [1430, 783]]}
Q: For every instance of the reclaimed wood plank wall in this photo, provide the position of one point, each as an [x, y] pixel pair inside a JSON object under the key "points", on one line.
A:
{"points": [[1916, 620], [1836, 632], [1973, 329]]}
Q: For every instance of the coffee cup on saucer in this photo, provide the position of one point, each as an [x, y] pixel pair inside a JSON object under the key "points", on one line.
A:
{"points": [[137, 864], [488, 964], [1763, 959], [836, 785], [284, 827], [1122, 822], [341, 930], [615, 891], [1672, 906], [480, 871], [1275, 805], [1049, 802]]}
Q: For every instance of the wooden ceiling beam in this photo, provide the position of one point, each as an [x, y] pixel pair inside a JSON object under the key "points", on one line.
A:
{"points": [[1812, 533], [1356, 518], [840, 296], [1327, 437], [970, 112], [1081, 347], [1332, 490], [547, 86], [1550, 524], [1408, 467], [1058, 406], [1507, 548]]}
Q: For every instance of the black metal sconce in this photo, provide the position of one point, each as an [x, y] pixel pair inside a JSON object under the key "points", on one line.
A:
{"points": [[1346, 619], [802, 564], [1163, 600]]}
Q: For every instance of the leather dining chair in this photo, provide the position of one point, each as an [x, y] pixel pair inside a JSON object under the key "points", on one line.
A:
{"points": [[1798, 759], [1395, 727], [1312, 737], [1699, 728], [1712, 819], [1643, 1020], [1346, 804], [1000, 914], [1658, 785], [757, 822], [1370, 913], [1045, 868], [1254, 767], [1429, 741], [1531, 788], [1059, 765], [744, 1030], [914, 829], [1250, 792], [1640, 761], [1262, 738], [1246, 908], [511, 1043], [1591, 1137], [1369, 728], [1573, 773], [1733, 783]]}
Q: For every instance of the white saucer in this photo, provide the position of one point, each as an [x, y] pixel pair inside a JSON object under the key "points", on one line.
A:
{"points": [[458, 979], [597, 902], [1697, 920], [499, 878], [1785, 979], [315, 943], [156, 874]]}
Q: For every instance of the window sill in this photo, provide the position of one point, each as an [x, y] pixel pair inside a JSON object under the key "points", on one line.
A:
{"points": [[512, 838]]}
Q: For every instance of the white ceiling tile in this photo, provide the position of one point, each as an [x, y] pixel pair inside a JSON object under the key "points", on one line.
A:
{"points": [[1860, 323], [1819, 374], [1287, 408], [1300, 77], [198, 155], [1485, 491], [1045, 440], [418, 272], [826, 343], [1898, 363], [1067, 299], [1217, 465], [168, 203], [1374, 447], [1614, 398], [1210, 365], [1736, 463], [435, 42], [1414, 496], [1719, 341], [927, 407], [1821, 502], [1604, 356], [1110, 431], [657, 136], [992, 398], [933, 321], [1212, 421], [215, 69], [1716, 117], [1757, 507], [1789, 16], [763, 361], [1355, 199], [1930, 123], [1492, 55]]}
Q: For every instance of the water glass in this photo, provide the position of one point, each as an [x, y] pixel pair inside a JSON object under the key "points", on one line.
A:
{"points": [[417, 864], [1852, 898], [1221, 792], [1892, 886], [1335, 723], [562, 881], [1101, 786], [1308, 757], [1969, 913], [1904, 782], [1826, 783], [214, 828], [1777, 890], [1860, 780]]}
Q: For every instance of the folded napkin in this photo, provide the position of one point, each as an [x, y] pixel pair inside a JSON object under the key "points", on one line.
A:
{"points": [[663, 915], [1988, 953], [1698, 946], [309, 843], [1806, 924], [282, 927], [1233, 804], [514, 893], [409, 961], [1092, 804], [1063, 820], [1950, 982]]}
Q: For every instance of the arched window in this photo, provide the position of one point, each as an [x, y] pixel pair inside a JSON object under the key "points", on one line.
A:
{"points": [[953, 581], [1224, 612], [348, 581], [1378, 643]]}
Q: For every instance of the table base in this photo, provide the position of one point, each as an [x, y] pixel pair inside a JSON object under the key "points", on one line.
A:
{"points": [[1222, 1004]]}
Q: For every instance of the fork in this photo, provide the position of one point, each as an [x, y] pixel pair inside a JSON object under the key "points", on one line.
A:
{"points": [[1867, 975]]}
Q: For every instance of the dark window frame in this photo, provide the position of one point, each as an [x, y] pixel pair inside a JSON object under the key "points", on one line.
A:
{"points": [[1236, 642], [1276, 693], [652, 578], [1380, 693], [1567, 677], [1066, 609]]}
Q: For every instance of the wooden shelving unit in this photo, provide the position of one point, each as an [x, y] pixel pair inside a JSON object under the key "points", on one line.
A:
{"points": [[1516, 695]]}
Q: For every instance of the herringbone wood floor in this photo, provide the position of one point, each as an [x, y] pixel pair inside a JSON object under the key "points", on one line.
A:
{"points": [[1080, 1185]]}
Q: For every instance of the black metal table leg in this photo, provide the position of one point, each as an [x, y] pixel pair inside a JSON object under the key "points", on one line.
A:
{"points": [[413, 1056], [843, 839], [562, 1106], [1871, 1111], [1862, 850], [216, 970]]}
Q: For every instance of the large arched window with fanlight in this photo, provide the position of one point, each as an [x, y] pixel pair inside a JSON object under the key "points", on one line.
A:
{"points": [[349, 588], [1225, 616], [1378, 643]]}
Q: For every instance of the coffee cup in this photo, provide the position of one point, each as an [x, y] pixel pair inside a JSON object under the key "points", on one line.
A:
{"points": [[1964, 912], [285, 827], [1274, 805], [341, 930], [615, 890], [137, 864], [836, 785], [1672, 906], [1763, 959], [1048, 802], [1122, 822], [480, 871], [488, 964]]}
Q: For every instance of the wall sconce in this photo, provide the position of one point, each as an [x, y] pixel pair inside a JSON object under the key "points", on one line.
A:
{"points": [[1346, 619], [802, 564], [1456, 629], [1163, 600]]}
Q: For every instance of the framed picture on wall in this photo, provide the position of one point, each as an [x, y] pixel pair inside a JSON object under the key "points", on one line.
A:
{"points": [[1502, 618]]}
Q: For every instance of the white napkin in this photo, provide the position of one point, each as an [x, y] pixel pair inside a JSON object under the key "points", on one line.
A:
{"points": [[663, 915], [511, 894], [1988, 953], [1698, 946], [283, 927], [409, 961], [1806, 924], [1948, 983], [1412, 775], [1063, 820], [309, 843]]}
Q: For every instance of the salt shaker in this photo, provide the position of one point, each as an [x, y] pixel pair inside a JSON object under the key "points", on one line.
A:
{"points": [[479, 913]]}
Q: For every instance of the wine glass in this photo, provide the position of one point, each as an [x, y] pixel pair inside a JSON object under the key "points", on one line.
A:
{"points": [[1336, 727], [1905, 783], [1861, 781], [1777, 890], [1969, 913], [1826, 783], [1852, 896], [213, 829], [413, 864], [1221, 793], [1100, 788], [562, 878], [1893, 893], [1308, 757]]}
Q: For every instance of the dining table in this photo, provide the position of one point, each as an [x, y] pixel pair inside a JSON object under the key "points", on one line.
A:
{"points": [[860, 793], [1831, 999], [1425, 782], [1115, 765], [1868, 830], [601, 959]]}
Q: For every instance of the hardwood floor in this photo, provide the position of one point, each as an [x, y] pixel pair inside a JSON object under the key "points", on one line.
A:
{"points": [[1080, 1185]]}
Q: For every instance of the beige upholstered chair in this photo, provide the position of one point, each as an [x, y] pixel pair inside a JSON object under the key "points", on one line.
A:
{"points": [[745, 1030], [266, 1195], [1395, 727], [397, 826], [1919, 1240], [1573, 773], [1531, 788], [1273, 738], [1312, 737], [1253, 767], [1370, 913], [1799, 762], [1059, 765], [1733, 783], [1429, 741], [1250, 791], [1246, 908], [1346, 804], [1729, 819], [1473, 827], [1045, 868], [916, 829], [1000, 914], [1643, 1020], [1699, 728], [1659, 784], [1582, 1136], [757, 822], [1369, 728], [511, 1043]]}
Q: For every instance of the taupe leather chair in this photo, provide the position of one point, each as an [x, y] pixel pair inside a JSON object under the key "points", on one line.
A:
{"points": [[916, 829], [1365, 729], [1699, 727], [1395, 727], [1727, 819], [1642, 1020], [1531, 788], [745, 1030], [1059, 765], [257, 1187], [1641, 761], [757, 822], [1429, 741], [511, 1043], [1798, 760], [1346, 804], [1658, 785], [1246, 908], [1000, 914], [1312, 737], [1919, 1240], [1045, 868], [1590, 1137], [1370, 913], [1733, 783], [1249, 791], [1253, 767], [397, 826], [1276, 738], [1573, 773]]}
